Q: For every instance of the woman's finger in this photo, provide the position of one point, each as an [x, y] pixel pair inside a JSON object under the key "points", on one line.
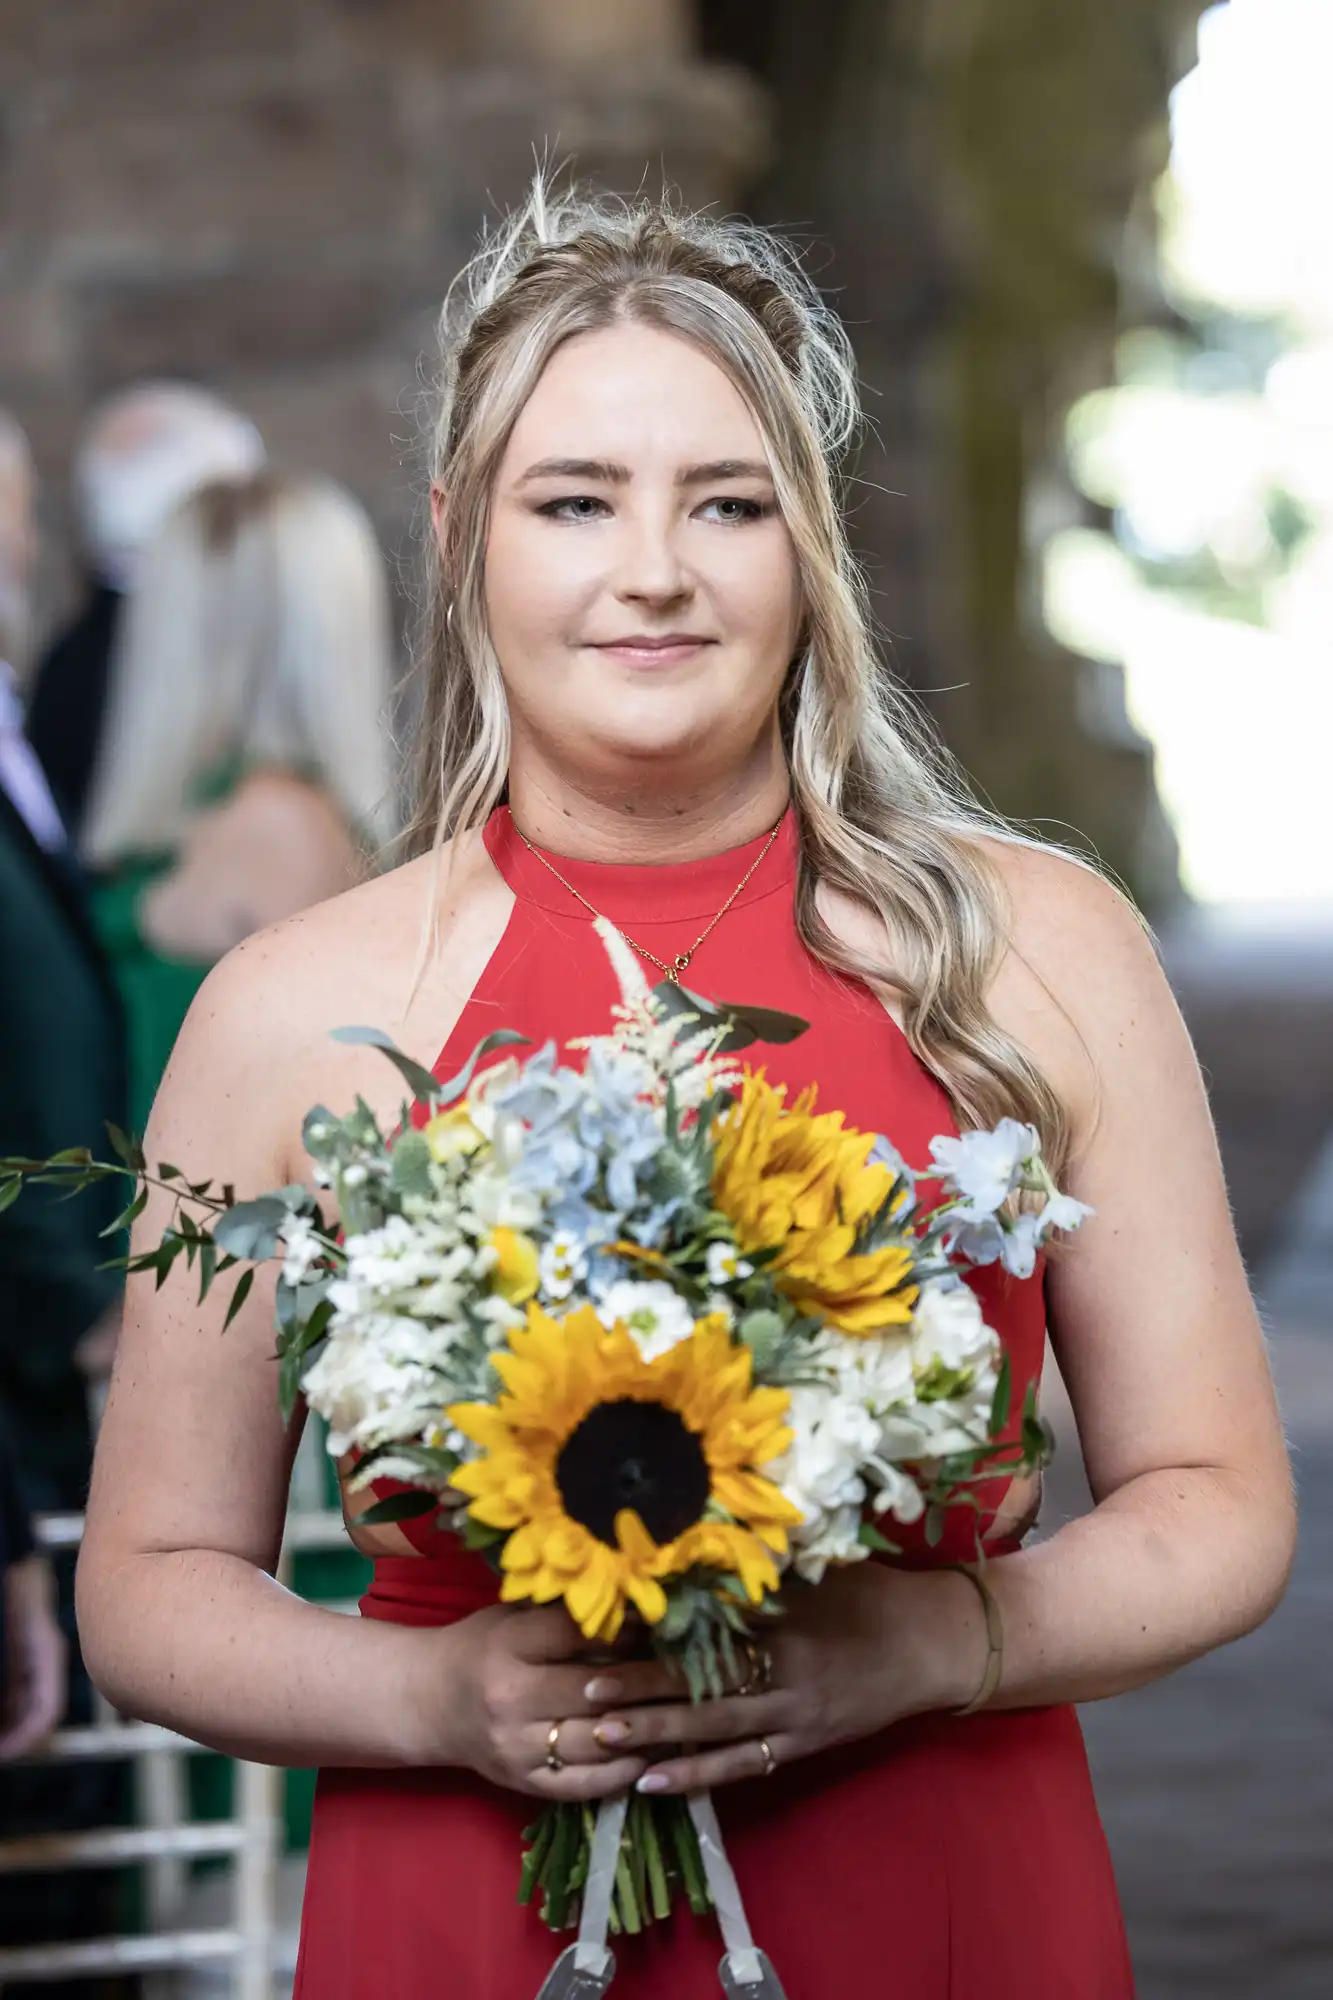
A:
{"points": [[584, 1781], [571, 1738], [735, 1716], [630, 1682], [722, 1767]]}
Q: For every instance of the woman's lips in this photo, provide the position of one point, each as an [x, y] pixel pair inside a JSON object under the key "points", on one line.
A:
{"points": [[641, 651]]}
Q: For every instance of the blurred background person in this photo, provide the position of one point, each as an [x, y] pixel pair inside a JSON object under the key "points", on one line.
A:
{"points": [[61, 1079], [144, 450], [32, 1645], [246, 769]]}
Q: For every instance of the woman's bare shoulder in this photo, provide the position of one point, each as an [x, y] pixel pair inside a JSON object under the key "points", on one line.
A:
{"points": [[1079, 982], [400, 953]]}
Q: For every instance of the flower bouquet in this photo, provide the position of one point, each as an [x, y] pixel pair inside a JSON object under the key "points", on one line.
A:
{"points": [[659, 1343]]}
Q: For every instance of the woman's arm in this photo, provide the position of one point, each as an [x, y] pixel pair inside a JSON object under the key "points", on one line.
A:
{"points": [[1193, 1533], [181, 1619], [1191, 1541]]}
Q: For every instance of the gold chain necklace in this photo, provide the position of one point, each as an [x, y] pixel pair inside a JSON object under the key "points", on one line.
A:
{"points": [[679, 963]]}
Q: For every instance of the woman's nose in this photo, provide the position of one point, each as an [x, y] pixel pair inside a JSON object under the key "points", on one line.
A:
{"points": [[651, 569]]}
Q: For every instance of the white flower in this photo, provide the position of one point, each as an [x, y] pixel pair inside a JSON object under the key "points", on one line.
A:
{"points": [[834, 1538], [948, 1327], [726, 1264], [653, 1311], [561, 1263], [1020, 1243], [986, 1167], [1063, 1212], [305, 1247], [898, 1494]]}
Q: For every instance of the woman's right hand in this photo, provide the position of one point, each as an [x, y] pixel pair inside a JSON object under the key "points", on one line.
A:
{"points": [[509, 1674]]}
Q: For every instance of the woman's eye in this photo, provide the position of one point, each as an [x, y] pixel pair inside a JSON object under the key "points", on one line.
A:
{"points": [[576, 507], [731, 509]]}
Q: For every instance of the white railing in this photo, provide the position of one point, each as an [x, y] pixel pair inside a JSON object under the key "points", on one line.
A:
{"points": [[165, 1840]]}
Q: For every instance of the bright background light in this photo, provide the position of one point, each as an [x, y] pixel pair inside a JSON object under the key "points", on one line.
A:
{"points": [[1215, 593]]}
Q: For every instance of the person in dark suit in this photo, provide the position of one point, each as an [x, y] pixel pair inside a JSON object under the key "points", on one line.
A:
{"points": [[144, 451], [62, 1076]]}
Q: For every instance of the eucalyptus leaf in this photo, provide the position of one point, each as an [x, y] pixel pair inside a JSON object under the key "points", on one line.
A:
{"points": [[743, 1023], [250, 1229], [238, 1297], [448, 1093], [10, 1191], [418, 1079], [409, 1165], [125, 1148]]}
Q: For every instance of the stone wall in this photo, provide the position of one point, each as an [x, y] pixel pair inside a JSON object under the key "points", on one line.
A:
{"points": [[271, 197]]}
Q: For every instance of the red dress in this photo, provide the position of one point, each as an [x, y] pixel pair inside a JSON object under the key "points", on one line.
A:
{"points": [[944, 1859]]}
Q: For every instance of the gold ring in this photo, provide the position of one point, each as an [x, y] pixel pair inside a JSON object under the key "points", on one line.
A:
{"points": [[554, 1761]]}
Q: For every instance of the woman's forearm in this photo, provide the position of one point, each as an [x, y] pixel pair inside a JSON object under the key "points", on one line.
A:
{"points": [[1173, 1563], [207, 1644]]}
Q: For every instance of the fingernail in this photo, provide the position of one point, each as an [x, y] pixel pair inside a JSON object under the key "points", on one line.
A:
{"points": [[653, 1781], [611, 1732], [601, 1691]]}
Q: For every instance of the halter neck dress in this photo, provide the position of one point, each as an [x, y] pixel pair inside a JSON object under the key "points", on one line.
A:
{"points": [[946, 1858]]}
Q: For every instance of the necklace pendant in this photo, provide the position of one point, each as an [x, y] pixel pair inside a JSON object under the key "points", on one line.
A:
{"points": [[672, 976]]}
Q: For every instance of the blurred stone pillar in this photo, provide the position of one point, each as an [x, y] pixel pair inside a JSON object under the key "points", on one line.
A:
{"points": [[617, 90]]}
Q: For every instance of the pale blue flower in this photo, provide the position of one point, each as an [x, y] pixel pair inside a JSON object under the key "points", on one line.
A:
{"points": [[986, 1167]]}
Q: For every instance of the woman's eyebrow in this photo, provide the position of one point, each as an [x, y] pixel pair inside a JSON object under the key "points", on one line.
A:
{"points": [[603, 470], [724, 468], [606, 472]]}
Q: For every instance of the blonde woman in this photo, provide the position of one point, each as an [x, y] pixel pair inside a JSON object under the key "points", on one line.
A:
{"points": [[246, 769], [651, 693]]}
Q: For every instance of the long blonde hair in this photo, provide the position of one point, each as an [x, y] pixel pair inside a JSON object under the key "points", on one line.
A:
{"points": [[259, 633], [882, 812]]}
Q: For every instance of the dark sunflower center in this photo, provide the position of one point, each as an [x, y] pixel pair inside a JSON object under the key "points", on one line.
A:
{"points": [[637, 1455]]}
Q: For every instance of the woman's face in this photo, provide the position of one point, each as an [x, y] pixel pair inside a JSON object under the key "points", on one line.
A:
{"points": [[641, 586]]}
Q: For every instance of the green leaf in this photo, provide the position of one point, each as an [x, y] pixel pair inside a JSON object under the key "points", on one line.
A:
{"points": [[934, 1529], [125, 1148], [869, 1536], [398, 1507], [238, 1297], [250, 1229], [744, 1024], [128, 1216], [999, 1409], [503, 1038], [418, 1079], [208, 1266], [409, 1165], [10, 1190]]}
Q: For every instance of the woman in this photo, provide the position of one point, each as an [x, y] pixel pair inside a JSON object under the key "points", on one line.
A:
{"points": [[648, 638], [246, 770]]}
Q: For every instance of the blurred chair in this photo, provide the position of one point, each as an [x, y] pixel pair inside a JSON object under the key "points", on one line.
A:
{"points": [[246, 769], [184, 1935], [143, 452]]}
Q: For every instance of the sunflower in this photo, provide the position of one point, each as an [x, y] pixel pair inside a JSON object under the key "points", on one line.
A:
{"points": [[611, 1474], [802, 1185]]}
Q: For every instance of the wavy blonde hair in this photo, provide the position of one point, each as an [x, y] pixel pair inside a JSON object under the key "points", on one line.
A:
{"points": [[259, 632], [883, 815]]}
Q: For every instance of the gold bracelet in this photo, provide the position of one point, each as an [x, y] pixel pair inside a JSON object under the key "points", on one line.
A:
{"points": [[990, 1680]]}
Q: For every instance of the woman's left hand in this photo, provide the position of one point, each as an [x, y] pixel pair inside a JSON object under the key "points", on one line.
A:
{"points": [[868, 1647]]}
